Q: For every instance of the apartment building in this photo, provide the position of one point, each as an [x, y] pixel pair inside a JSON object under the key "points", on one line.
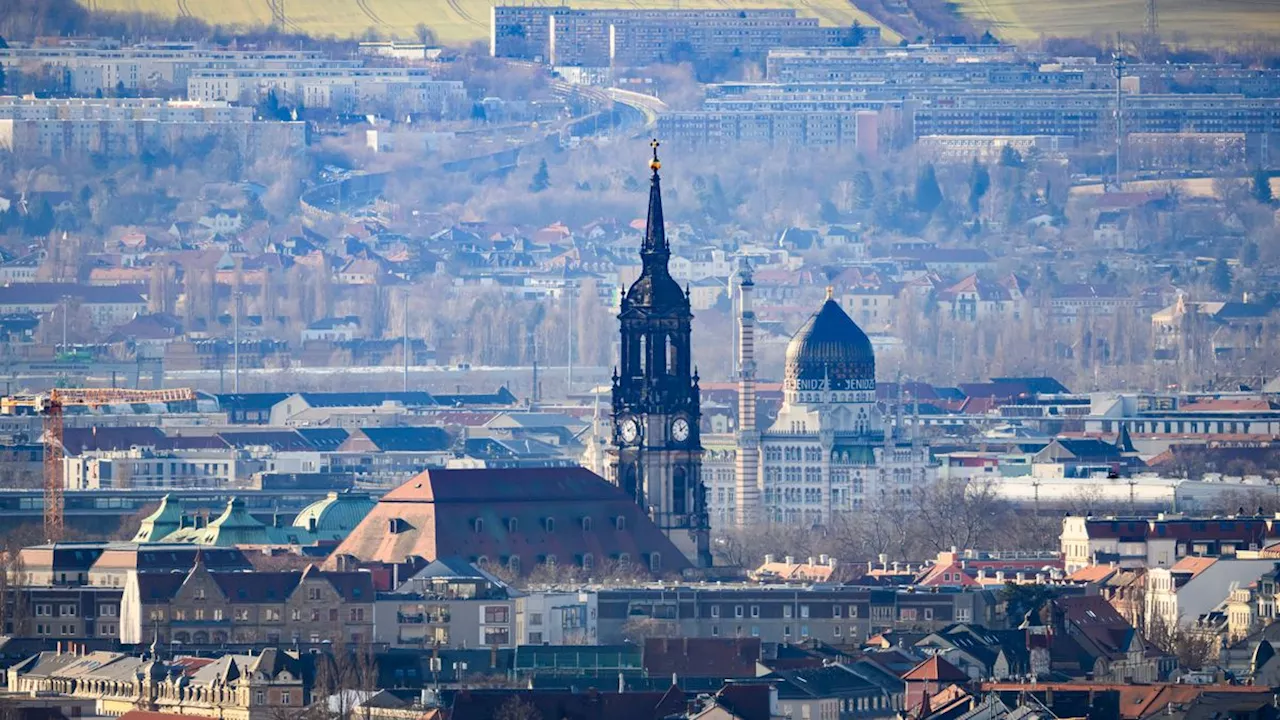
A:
{"points": [[203, 606], [838, 615], [107, 307], [557, 618], [817, 128], [614, 37], [145, 467], [346, 90], [93, 70], [449, 603], [1160, 541], [921, 65], [125, 127]]}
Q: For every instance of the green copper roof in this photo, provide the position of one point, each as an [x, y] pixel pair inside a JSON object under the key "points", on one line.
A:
{"points": [[166, 519], [235, 526], [333, 517]]}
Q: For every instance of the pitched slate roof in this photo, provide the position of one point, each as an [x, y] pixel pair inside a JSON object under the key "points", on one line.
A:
{"points": [[702, 657]]}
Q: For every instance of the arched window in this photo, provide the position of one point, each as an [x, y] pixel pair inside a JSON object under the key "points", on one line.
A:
{"points": [[482, 561], [588, 562], [513, 525], [549, 524], [478, 524], [513, 564], [655, 562], [586, 524]]}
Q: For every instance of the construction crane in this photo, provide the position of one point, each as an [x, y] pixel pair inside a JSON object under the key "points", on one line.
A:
{"points": [[49, 406]]}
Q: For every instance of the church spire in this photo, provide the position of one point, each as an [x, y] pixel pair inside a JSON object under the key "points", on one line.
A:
{"points": [[655, 236]]}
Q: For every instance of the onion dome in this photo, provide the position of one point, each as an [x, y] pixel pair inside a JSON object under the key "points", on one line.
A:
{"points": [[831, 347]]}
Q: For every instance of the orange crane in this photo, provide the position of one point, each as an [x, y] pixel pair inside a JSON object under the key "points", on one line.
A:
{"points": [[49, 406]]}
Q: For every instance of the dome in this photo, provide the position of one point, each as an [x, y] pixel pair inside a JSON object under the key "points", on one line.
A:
{"points": [[334, 516], [830, 346]]}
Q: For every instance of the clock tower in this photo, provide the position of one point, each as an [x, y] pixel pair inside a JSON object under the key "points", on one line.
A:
{"points": [[656, 456]]}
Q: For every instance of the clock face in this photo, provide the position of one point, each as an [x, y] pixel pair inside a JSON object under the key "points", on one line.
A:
{"points": [[630, 431], [680, 430]]}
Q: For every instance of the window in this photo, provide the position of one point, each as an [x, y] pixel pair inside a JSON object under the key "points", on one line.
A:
{"points": [[44, 610], [497, 614], [836, 631], [67, 611], [786, 611], [535, 638], [715, 631], [271, 614], [620, 523], [107, 610], [179, 615], [260, 697], [313, 593], [588, 562], [478, 524], [155, 615], [755, 631], [928, 613], [357, 615], [535, 618], [786, 631], [285, 697], [737, 611], [835, 611], [242, 614], [715, 611], [513, 525], [199, 593], [199, 612], [333, 615], [586, 524], [804, 611], [296, 615], [655, 562], [497, 636], [964, 615], [907, 613], [755, 611], [853, 611], [217, 614], [549, 524]]}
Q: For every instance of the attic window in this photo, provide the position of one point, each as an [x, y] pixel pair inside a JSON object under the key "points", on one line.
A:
{"points": [[620, 523], [478, 525], [396, 526], [513, 525], [549, 524], [586, 524]]}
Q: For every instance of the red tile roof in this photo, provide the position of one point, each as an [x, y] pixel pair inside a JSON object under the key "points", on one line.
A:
{"points": [[935, 669]]}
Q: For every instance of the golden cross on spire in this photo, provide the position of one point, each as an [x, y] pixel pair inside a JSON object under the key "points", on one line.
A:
{"points": [[654, 164]]}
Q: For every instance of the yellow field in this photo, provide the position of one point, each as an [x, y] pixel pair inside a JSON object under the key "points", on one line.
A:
{"points": [[1200, 20], [455, 22]]}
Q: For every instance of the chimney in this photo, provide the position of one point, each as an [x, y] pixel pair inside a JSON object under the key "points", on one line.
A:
{"points": [[768, 558], [895, 566], [831, 562], [59, 647], [789, 559], [999, 576], [1021, 577], [822, 559], [810, 559], [884, 559]]}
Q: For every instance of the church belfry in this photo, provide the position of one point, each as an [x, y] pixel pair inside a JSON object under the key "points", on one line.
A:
{"points": [[656, 456]]}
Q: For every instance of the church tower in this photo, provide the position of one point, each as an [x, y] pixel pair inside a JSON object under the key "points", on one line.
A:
{"points": [[656, 456]]}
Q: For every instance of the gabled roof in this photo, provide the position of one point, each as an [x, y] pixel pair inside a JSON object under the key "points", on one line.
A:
{"points": [[935, 669]]}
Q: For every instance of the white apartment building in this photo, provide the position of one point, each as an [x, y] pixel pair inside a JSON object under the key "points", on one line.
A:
{"points": [[146, 468], [557, 618], [90, 70], [338, 89], [124, 127]]}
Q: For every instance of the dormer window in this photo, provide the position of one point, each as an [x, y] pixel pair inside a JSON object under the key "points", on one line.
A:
{"points": [[620, 522], [549, 524], [478, 525], [586, 524], [513, 525]]}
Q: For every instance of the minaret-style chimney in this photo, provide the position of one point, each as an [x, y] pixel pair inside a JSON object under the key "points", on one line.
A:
{"points": [[746, 512]]}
